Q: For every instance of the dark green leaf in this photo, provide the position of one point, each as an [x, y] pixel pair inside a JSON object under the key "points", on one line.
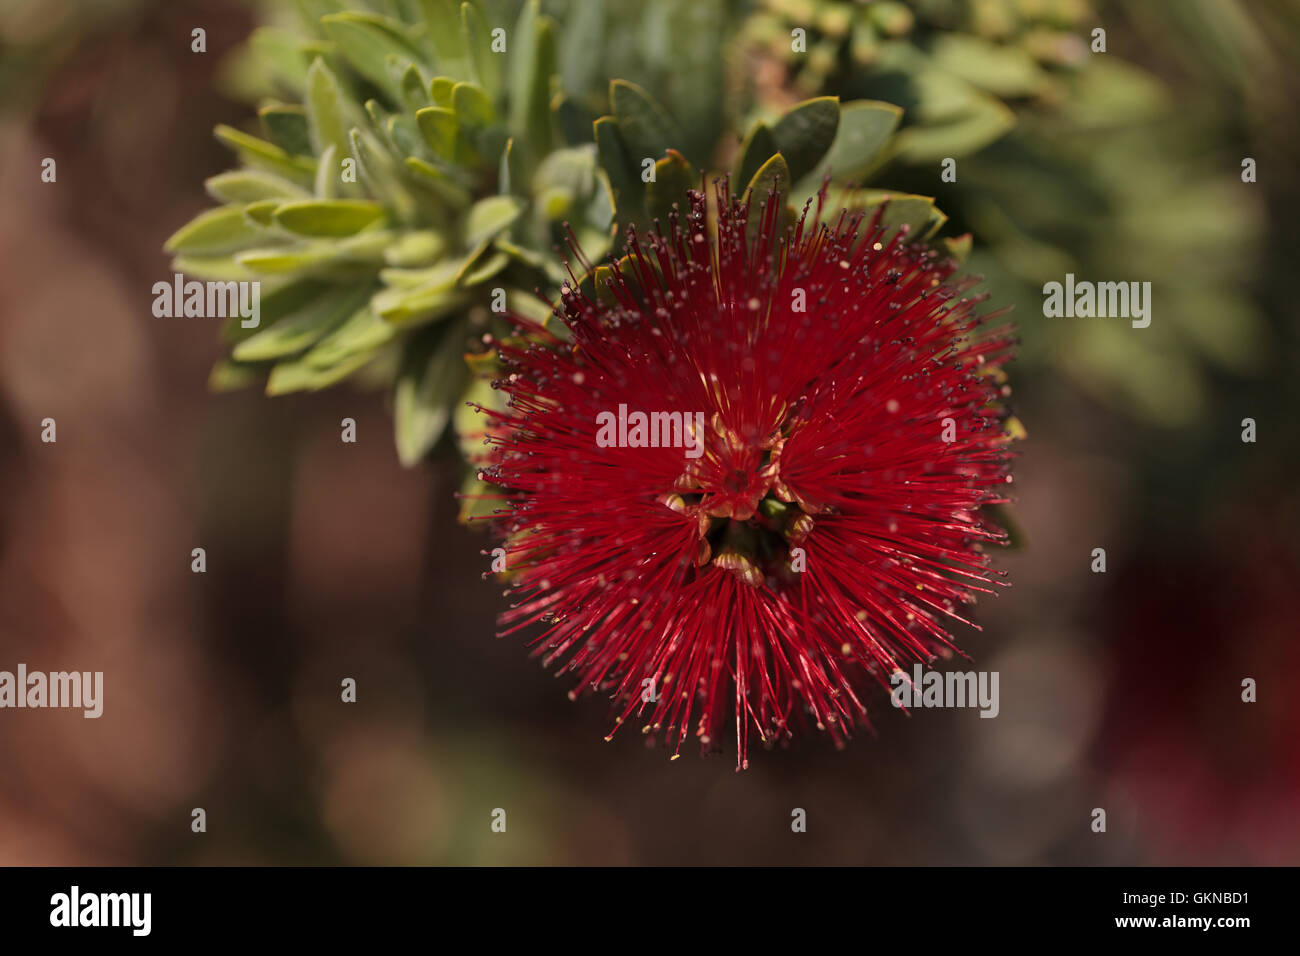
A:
{"points": [[759, 146], [864, 129], [286, 126], [628, 189], [805, 134], [673, 177], [645, 128], [772, 176]]}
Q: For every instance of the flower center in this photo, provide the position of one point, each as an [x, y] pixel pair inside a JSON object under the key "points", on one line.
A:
{"points": [[749, 522]]}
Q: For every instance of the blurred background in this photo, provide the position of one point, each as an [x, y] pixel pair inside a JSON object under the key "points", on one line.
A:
{"points": [[327, 560]]}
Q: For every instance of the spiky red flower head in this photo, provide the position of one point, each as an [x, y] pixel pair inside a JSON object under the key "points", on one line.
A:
{"points": [[752, 473]]}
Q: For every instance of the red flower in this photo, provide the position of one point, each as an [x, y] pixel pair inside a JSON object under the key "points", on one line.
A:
{"points": [[823, 526]]}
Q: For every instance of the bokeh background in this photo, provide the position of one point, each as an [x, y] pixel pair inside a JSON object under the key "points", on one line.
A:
{"points": [[328, 560]]}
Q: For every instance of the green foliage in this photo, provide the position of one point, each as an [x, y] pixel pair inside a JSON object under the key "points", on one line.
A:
{"points": [[407, 167], [958, 67], [814, 141], [669, 47], [1067, 161], [418, 161]]}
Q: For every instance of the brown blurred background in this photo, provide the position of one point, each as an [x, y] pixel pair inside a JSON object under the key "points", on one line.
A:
{"points": [[328, 560]]}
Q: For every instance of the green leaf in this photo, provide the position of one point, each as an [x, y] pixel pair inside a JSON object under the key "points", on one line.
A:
{"points": [[891, 17], [311, 11], [627, 187], [759, 146], [918, 213], [329, 179], [600, 279], [228, 376], [805, 134], [529, 257], [772, 175], [380, 172], [287, 128], [262, 212], [478, 42], [295, 332], [958, 247], [363, 252], [584, 32], [260, 154], [421, 247], [440, 128], [952, 118], [442, 33], [435, 299], [471, 424], [298, 376], [278, 302], [481, 139], [864, 130], [440, 275], [673, 177], [472, 105], [283, 51], [252, 185], [364, 332], [430, 380], [440, 90], [215, 268], [451, 194], [378, 115], [597, 218], [573, 119], [1004, 70], [1111, 94], [572, 169], [924, 144], [328, 113], [478, 499], [415, 94], [509, 178], [532, 63], [328, 218], [645, 128], [366, 42], [481, 269], [474, 501], [490, 216], [214, 232]]}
